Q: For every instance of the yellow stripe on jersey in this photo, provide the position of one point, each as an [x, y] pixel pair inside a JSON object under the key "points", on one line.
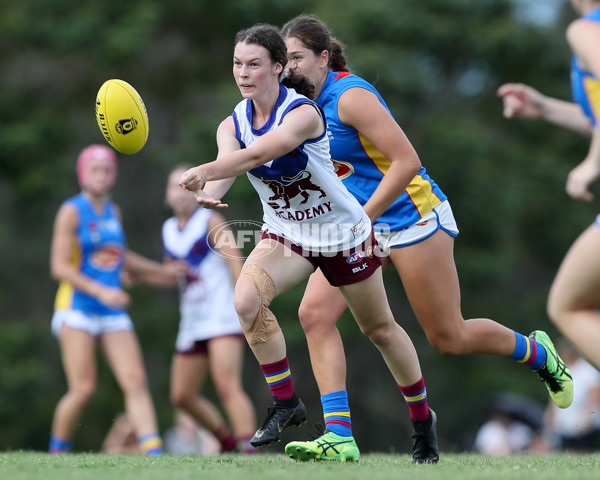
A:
{"points": [[419, 190], [379, 159], [592, 88], [422, 195], [64, 295]]}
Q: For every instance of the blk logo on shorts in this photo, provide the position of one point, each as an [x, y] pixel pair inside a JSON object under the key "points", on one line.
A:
{"points": [[360, 268]]}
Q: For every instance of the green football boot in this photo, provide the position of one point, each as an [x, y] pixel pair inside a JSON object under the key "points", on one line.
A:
{"points": [[328, 446], [554, 373]]}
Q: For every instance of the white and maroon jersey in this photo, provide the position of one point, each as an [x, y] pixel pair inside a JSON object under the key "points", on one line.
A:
{"points": [[206, 294], [303, 199]]}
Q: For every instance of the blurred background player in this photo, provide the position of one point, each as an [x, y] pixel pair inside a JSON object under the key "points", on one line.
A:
{"points": [[575, 293], [513, 426], [121, 438], [415, 228], [87, 257], [186, 437], [210, 337]]}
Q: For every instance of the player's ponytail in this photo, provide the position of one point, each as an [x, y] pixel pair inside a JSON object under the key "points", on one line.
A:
{"points": [[298, 82], [337, 60]]}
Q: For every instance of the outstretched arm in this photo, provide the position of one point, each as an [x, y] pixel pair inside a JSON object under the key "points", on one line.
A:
{"points": [[584, 37], [210, 196], [144, 270], [520, 100], [300, 124], [362, 110]]}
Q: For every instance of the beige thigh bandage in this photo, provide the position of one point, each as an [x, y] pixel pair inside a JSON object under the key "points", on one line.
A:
{"points": [[265, 324]]}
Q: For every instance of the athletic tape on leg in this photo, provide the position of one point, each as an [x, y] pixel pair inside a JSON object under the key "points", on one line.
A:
{"points": [[265, 325]]}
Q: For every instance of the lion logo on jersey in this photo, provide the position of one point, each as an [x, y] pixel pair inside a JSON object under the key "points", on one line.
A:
{"points": [[290, 188]]}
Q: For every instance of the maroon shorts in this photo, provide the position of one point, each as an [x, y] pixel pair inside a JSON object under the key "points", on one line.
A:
{"points": [[341, 268], [200, 347]]}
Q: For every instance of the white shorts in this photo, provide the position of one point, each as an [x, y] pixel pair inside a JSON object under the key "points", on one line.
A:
{"points": [[95, 325], [440, 217]]}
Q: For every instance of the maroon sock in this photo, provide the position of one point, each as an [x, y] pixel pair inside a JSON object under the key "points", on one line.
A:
{"points": [[415, 397], [279, 378], [226, 438]]}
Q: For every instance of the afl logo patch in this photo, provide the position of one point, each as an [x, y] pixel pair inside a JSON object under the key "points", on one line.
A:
{"points": [[356, 257]]}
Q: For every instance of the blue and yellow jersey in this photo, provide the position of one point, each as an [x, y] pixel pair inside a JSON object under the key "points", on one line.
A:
{"points": [[585, 85], [98, 251], [361, 166]]}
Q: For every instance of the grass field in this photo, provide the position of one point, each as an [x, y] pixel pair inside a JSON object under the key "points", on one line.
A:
{"points": [[35, 465]]}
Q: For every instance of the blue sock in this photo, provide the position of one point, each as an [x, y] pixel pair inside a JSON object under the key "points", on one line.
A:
{"points": [[151, 444], [336, 413], [529, 352], [58, 445]]}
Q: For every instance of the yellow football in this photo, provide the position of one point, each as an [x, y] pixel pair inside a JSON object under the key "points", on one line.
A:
{"points": [[122, 116]]}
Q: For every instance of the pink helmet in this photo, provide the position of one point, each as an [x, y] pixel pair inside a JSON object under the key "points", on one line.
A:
{"points": [[92, 152]]}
